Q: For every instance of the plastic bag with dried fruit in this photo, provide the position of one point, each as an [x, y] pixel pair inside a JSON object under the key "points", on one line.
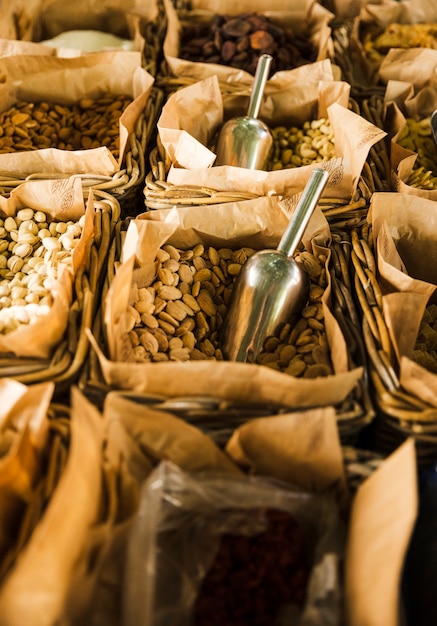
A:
{"points": [[218, 549]]}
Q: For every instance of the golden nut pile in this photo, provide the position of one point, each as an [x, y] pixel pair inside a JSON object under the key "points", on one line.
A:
{"points": [[425, 349], [179, 316], [417, 137], [294, 147], [32, 248], [83, 125], [378, 41]]}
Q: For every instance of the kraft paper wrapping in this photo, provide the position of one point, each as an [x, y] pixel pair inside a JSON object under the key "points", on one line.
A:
{"points": [[406, 100], [304, 14], [354, 136], [62, 200], [35, 590], [404, 228], [65, 81], [259, 224], [302, 448], [380, 527], [23, 439], [34, 20]]}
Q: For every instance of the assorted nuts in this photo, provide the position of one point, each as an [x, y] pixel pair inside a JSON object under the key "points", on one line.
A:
{"points": [[238, 41], [179, 315], [32, 249], [417, 137], [425, 349], [294, 147], [85, 124]]}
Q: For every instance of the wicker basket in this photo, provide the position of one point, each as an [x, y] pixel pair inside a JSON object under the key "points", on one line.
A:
{"points": [[126, 185], [399, 414], [64, 366], [215, 415]]}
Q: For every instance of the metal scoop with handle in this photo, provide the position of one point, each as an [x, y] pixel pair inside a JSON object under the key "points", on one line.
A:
{"points": [[271, 289], [246, 141]]}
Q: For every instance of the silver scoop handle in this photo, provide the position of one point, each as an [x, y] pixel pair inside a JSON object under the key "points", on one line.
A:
{"points": [[303, 211], [259, 82]]}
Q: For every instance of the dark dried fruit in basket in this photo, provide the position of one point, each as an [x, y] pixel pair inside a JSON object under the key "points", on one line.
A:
{"points": [[238, 41], [253, 577]]}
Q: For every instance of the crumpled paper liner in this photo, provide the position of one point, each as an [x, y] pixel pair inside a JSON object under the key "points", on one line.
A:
{"points": [[35, 590], [62, 200], [23, 438], [405, 243], [64, 81], [381, 524], [259, 224], [34, 20], [403, 100], [382, 14], [192, 115], [302, 15]]}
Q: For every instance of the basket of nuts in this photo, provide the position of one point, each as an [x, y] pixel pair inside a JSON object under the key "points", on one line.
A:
{"points": [[89, 116], [165, 305], [200, 41], [394, 285], [54, 241], [310, 133]]}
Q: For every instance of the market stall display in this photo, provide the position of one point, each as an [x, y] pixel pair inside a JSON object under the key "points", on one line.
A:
{"points": [[122, 242]]}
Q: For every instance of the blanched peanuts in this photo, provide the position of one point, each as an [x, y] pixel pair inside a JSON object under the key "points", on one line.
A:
{"points": [[32, 248], [183, 323], [295, 147]]}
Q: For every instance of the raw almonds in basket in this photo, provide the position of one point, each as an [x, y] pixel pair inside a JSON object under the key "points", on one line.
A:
{"points": [[64, 82], [253, 224]]}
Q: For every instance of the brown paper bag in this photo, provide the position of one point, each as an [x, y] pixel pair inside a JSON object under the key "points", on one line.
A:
{"points": [[23, 439], [403, 229], [35, 590], [381, 523], [259, 224], [302, 15], [373, 19], [64, 81], [302, 448], [404, 101], [61, 200], [34, 20], [186, 141]]}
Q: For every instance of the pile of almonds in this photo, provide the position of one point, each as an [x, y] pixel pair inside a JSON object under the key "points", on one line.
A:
{"points": [[88, 123], [238, 41], [178, 317]]}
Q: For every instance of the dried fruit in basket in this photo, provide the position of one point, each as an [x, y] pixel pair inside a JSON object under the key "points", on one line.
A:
{"points": [[239, 40], [416, 136], [425, 348], [377, 42], [88, 123], [253, 577]]}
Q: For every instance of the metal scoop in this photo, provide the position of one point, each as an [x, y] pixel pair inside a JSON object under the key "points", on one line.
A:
{"points": [[272, 288], [247, 141]]}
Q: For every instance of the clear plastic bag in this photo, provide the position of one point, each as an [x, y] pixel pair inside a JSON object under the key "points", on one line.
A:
{"points": [[178, 530]]}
